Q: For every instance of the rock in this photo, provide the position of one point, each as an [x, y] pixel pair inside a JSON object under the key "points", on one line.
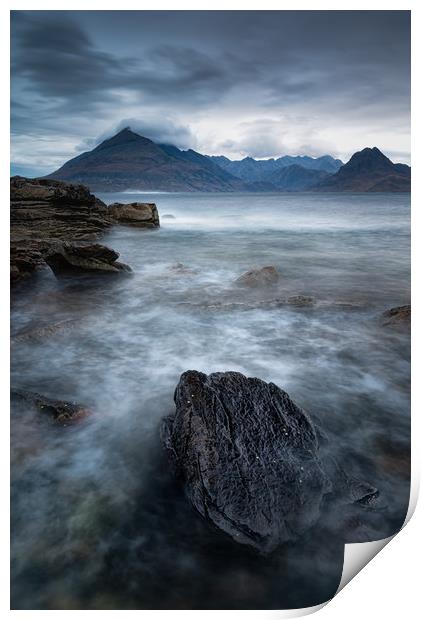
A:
{"points": [[301, 300], [181, 269], [139, 214], [168, 216], [60, 411], [248, 457], [26, 257], [69, 259], [47, 209], [263, 276], [44, 332], [43, 211], [399, 316]]}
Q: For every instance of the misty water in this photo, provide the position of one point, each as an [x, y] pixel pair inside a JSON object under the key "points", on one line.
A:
{"points": [[98, 522]]}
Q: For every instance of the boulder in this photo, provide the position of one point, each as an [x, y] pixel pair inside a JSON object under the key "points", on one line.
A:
{"points": [[399, 316], [263, 276], [248, 457], [69, 259], [60, 411], [138, 214]]}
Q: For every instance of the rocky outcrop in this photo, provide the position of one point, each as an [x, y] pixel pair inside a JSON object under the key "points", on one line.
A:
{"points": [[59, 411], [45, 212], [48, 209], [68, 259], [26, 256], [138, 214], [248, 457], [262, 276], [399, 316]]}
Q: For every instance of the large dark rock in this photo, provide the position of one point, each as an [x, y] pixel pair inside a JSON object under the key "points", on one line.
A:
{"points": [[69, 259], [248, 457]]}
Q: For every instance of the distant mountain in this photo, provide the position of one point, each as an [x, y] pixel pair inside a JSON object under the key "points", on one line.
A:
{"points": [[368, 170], [296, 178], [130, 161], [251, 170]]}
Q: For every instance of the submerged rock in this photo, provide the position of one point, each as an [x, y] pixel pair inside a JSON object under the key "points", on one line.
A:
{"points": [[60, 411], [180, 268], [139, 214], [263, 276], [399, 316], [248, 457], [69, 259], [168, 216], [45, 331], [301, 300]]}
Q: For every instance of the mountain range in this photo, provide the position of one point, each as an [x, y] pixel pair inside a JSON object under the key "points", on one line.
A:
{"points": [[131, 161]]}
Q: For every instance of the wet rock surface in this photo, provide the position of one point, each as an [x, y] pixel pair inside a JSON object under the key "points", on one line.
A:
{"points": [[59, 411], [67, 259], [248, 457], [301, 300], [43, 332], [259, 277], [43, 211], [139, 214], [399, 316]]}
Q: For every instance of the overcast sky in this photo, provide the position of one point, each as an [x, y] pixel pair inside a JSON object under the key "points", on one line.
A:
{"points": [[257, 83]]}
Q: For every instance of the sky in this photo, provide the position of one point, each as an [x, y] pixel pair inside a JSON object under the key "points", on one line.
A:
{"points": [[238, 83]]}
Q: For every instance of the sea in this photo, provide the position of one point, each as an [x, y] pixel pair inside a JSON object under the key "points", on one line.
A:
{"points": [[98, 520]]}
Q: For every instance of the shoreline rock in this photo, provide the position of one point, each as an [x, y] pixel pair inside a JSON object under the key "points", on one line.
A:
{"points": [[248, 457], [138, 214], [46, 212], [254, 465], [67, 259]]}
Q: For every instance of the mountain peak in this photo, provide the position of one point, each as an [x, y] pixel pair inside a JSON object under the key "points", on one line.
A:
{"points": [[370, 159], [123, 136], [128, 160], [369, 170]]}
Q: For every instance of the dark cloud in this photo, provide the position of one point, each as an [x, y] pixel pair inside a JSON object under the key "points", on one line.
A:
{"points": [[59, 60], [211, 78]]}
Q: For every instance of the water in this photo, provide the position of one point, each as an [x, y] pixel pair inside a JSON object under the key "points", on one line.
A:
{"points": [[97, 520]]}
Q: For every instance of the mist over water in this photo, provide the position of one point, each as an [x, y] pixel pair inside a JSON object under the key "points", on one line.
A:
{"points": [[97, 520]]}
